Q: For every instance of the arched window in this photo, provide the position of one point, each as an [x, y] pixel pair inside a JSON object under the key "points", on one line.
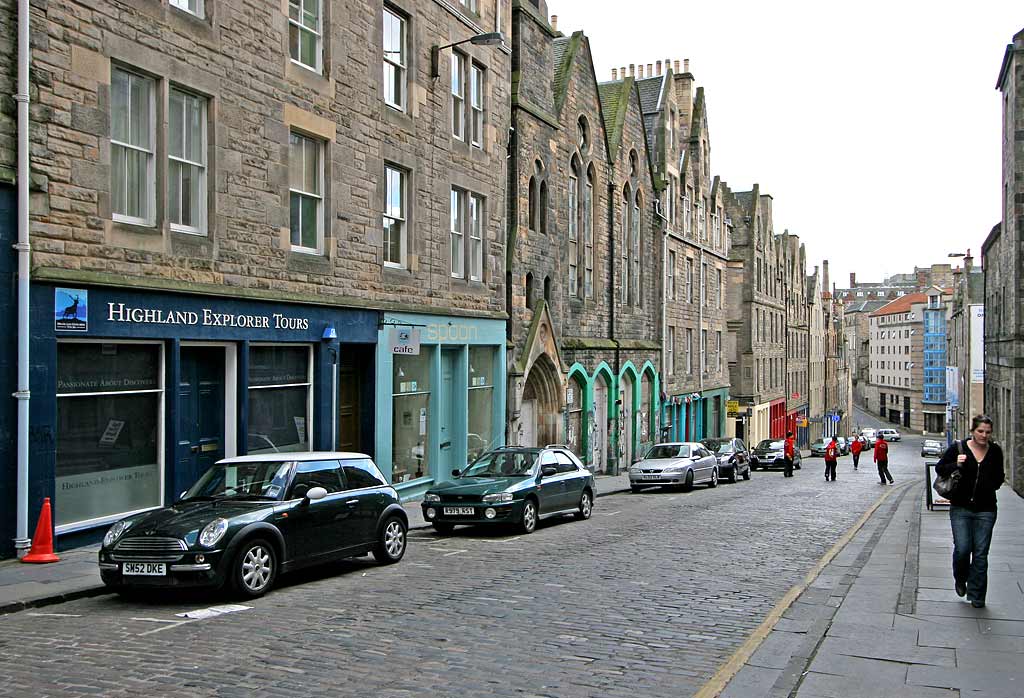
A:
{"points": [[529, 291], [627, 204], [543, 212], [635, 250], [582, 134], [588, 235], [574, 219], [547, 289], [532, 204]]}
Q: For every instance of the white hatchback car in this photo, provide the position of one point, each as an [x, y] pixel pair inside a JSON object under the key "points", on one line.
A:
{"points": [[675, 464], [890, 434]]}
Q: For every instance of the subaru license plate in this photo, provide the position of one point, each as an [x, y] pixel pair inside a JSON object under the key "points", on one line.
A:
{"points": [[458, 511], [145, 569]]}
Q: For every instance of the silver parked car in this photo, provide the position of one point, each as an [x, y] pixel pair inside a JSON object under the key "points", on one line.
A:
{"points": [[676, 464], [890, 434], [931, 447]]}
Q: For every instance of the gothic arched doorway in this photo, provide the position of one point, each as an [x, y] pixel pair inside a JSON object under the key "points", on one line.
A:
{"points": [[541, 408]]}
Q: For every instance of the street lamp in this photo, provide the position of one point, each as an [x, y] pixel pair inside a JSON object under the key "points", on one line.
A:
{"points": [[488, 39]]}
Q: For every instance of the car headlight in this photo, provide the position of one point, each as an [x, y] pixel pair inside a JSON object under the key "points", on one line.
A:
{"points": [[431, 497], [213, 532], [675, 469], [498, 497], [115, 532]]}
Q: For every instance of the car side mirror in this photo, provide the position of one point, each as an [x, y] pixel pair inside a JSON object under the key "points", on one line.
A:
{"points": [[182, 495], [316, 493], [456, 472], [548, 470]]}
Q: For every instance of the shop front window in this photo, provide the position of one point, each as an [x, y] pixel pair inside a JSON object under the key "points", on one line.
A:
{"points": [[481, 401], [109, 404], [410, 434], [279, 399]]}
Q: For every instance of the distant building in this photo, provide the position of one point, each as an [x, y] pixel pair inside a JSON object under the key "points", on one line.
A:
{"points": [[965, 349]]}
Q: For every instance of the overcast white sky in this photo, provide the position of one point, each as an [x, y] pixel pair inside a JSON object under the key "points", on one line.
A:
{"points": [[874, 125]]}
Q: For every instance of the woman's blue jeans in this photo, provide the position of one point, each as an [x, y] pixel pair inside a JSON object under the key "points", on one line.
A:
{"points": [[972, 535]]}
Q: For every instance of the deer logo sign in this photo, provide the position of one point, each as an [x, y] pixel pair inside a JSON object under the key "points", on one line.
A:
{"points": [[71, 310]]}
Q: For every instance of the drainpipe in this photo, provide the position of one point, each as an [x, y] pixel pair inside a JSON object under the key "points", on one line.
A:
{"points": [[21, 540], [613, 389], [700, 335]]}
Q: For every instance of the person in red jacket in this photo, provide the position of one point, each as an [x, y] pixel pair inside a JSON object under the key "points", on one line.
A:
{"points": [[831, 458], [855, 448], [788, 450], [882, 458]]}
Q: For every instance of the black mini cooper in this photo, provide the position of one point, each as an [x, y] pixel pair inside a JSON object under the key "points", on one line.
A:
{"points": [[250, 518]]}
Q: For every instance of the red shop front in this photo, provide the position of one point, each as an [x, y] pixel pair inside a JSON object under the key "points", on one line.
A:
{"points": [[777, 418]]}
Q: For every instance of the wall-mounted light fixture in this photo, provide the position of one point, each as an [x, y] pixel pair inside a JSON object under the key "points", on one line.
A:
{"points": [[330, 334], [488, 39]]}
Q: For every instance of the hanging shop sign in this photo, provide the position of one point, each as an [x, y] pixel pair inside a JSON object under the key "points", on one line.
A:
{"points": [[732, 408], [404, 341]]}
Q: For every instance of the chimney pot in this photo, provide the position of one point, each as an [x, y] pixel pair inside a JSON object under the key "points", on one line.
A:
{"points": [[650, 70], [658, 64], [824, 274], [853, 279], [622, 72], [615, 73], [676, 66], [632, 69], [686, 65], [554, 22]]}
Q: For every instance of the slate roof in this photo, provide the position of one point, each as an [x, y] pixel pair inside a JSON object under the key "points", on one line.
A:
{"points": [[614, 105], [565, 49], [901, 305], [649, 90]]}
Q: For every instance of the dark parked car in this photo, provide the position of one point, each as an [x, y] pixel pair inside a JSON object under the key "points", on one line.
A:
{"points": [[512, 485], [769, 454], [844, 445], [733, 458], [251, 518]]}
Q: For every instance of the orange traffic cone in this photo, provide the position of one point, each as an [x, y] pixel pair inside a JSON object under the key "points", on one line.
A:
{"points": [[42, 541]]}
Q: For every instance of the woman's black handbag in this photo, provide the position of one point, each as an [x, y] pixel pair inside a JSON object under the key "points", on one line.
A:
{"points": [[946, 485]]}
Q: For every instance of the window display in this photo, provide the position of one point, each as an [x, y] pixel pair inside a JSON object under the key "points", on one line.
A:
{"points": [[279, 399], [481, 401], [410, 439], [109, 399]]}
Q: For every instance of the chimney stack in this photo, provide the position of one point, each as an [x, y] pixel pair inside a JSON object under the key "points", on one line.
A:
{"points": [[668, 64], [650, 70], [824, 275], [622, 72], [686, 65], [632, 69], [658, 67], [968, 261], [615, 73], [554, 22], [676, 67]]}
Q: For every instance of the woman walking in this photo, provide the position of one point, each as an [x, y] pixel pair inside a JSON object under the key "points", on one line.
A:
{"points": [[972, 508]]}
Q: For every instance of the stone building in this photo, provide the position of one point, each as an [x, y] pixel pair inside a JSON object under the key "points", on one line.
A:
{"points": [[797, 337], [837, 418], [856, 329], [815, 358], [965, 349], [583, 259], [1004, 348], [756, 312], [695, 246], [258, 227]]}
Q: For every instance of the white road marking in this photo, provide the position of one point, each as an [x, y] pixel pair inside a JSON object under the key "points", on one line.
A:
{"points": [[56, 615], [610, 513], [157, 620], [213, 611], [172, 624], [448, 552]]}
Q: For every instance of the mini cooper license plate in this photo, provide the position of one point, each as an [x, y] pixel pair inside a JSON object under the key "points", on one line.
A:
{"points": [[459, 511], [145, 569]]}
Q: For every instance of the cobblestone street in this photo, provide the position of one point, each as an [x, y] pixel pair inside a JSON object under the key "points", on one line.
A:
{"points": [[647, 598]]}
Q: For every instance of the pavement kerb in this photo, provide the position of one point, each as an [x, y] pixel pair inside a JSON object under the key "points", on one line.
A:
{"points": [[100, 590], [717, 683]]}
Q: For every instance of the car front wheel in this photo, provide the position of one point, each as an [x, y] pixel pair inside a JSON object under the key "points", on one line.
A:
{"points": [[688, 485], [528, 523], [254, 568], [586, 507], [391, 544], [746, 473], [714, 478], [732, 474]]}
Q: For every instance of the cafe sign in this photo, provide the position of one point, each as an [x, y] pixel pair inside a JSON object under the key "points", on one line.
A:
{"points": [[404, 341]]}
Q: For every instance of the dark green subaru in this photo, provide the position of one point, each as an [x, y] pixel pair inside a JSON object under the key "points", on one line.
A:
{"points": [[512, 485], [251, 518]]}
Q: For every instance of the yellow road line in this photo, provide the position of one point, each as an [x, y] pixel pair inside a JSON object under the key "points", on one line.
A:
{"points": [[718, 682]]}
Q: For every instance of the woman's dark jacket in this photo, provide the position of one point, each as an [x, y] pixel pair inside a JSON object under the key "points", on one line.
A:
{"points": [[975, 492]]}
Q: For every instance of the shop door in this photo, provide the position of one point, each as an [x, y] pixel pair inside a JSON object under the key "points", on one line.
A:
{"points": [[528, 423], [446, 411], [201, 412], [348, 411], [599, 428]]}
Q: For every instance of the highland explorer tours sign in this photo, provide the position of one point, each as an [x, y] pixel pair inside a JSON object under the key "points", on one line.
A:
{"points": [[205, 317]]}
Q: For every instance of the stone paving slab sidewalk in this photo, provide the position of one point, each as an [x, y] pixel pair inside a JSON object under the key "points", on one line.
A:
{"points": [[77, 575], [882, 618]]}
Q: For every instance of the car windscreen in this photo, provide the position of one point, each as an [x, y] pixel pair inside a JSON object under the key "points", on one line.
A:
{"points": [[716, 446], [669, 451], [769, 445], [262, 479], [933, 444], [517, 463]]}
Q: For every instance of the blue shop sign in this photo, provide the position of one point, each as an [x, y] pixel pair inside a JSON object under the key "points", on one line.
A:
{"points": [[118, 313]]}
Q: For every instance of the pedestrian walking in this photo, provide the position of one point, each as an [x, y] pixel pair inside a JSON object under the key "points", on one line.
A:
{"points": [[972, 506], [831, 459], [882, 458], [855, 448], [788, 451]]}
